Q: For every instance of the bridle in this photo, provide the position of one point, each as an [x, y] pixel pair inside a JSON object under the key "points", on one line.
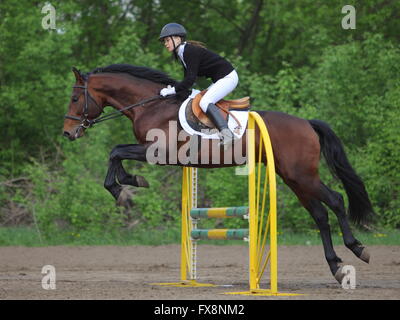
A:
{"points": [[87, 123]]}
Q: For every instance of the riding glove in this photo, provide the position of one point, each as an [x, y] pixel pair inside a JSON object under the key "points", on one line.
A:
{"points": [[167, 91]]}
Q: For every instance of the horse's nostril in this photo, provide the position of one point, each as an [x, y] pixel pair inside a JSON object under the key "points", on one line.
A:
{"points": [[66, 134]]}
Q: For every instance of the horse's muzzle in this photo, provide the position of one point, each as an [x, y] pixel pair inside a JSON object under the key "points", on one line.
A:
{"points": [[75, 133], [70, 136]]}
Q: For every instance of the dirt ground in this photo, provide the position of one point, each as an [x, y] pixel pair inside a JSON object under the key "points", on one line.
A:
{"points": [[108, 272]]}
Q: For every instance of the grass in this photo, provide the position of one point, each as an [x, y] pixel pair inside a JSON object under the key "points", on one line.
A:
{"points": [[25, 236], [387, 237]]}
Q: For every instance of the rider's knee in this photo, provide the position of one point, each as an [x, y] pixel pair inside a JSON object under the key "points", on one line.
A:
{"points": [[204, 102]]}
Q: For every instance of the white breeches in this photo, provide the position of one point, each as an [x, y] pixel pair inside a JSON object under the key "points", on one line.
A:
{"points": [[219, 90]]}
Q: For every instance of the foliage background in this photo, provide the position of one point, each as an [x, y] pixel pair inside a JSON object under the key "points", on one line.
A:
{"points": [[292, 56]]}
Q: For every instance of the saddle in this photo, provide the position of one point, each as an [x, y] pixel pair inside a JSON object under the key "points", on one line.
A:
{"points": [[224, 105]]}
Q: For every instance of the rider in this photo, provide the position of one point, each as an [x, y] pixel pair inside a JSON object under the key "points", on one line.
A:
{"points": [[199, 61]]}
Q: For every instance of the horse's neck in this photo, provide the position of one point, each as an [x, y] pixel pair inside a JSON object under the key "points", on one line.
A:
{"points": [[122, 91]]}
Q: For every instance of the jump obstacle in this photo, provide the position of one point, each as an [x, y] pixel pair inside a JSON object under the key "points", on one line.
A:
{"points": [[262, 223]]}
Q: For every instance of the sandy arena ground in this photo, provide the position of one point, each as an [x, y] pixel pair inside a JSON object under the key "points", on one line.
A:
{"points": [[109, 272]]}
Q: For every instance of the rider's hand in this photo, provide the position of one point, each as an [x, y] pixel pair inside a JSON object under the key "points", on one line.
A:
{"points": [[167, 91]]}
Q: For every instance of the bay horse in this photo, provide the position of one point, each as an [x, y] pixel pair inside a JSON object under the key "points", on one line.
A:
{"points": [[297, 144]]}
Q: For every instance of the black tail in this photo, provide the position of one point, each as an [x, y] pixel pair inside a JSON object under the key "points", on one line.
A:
{"points": [[360, 208]]}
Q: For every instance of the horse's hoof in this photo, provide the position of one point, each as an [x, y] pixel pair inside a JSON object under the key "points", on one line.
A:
{"points": [[125, 198], [339, 275], [365, 255], [141, 182]]}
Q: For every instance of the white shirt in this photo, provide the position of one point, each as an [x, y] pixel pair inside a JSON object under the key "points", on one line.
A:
{"points": [[181, 49]]}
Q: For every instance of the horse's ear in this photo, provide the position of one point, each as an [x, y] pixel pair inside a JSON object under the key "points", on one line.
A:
{"points": [[77, 74]]}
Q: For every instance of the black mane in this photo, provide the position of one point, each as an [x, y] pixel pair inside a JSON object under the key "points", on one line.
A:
{"points": [[139, 72]]}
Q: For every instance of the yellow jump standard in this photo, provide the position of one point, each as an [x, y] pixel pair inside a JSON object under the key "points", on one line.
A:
{"points": [[262, 222]]}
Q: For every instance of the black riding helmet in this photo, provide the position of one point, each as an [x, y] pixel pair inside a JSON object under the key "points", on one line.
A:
{"points": [[172, 29]]}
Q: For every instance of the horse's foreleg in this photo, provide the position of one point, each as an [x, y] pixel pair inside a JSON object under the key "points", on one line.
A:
{"points": [[116, 175], [132, 152], [128, 179]]}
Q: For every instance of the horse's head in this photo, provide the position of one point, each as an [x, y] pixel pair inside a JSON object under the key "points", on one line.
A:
{"points": [[83, 107]]}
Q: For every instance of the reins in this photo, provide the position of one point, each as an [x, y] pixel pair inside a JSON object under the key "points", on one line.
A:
{"points": [[118, 113], [87, 123]]}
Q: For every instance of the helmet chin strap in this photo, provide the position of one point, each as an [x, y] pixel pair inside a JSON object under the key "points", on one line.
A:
{"points": [[175, 47]]}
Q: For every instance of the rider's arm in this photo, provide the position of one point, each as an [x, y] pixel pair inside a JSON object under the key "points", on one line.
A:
{"points": [[191, 58]]}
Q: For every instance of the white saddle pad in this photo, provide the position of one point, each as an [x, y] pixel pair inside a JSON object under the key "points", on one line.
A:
{"points": [[238, 132]]}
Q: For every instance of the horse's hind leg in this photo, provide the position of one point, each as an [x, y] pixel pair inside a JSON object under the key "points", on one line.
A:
{"points": [[334, 201], [306, 193], [320, 216]]}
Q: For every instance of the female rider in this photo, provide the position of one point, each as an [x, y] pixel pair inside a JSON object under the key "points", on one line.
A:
{"points": [[199, 61]]}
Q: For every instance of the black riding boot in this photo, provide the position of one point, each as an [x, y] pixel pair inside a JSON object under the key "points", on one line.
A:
{"points": [[214, 114]]}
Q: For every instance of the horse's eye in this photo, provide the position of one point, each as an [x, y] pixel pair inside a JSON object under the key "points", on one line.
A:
{"points": [[75, 99]]}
